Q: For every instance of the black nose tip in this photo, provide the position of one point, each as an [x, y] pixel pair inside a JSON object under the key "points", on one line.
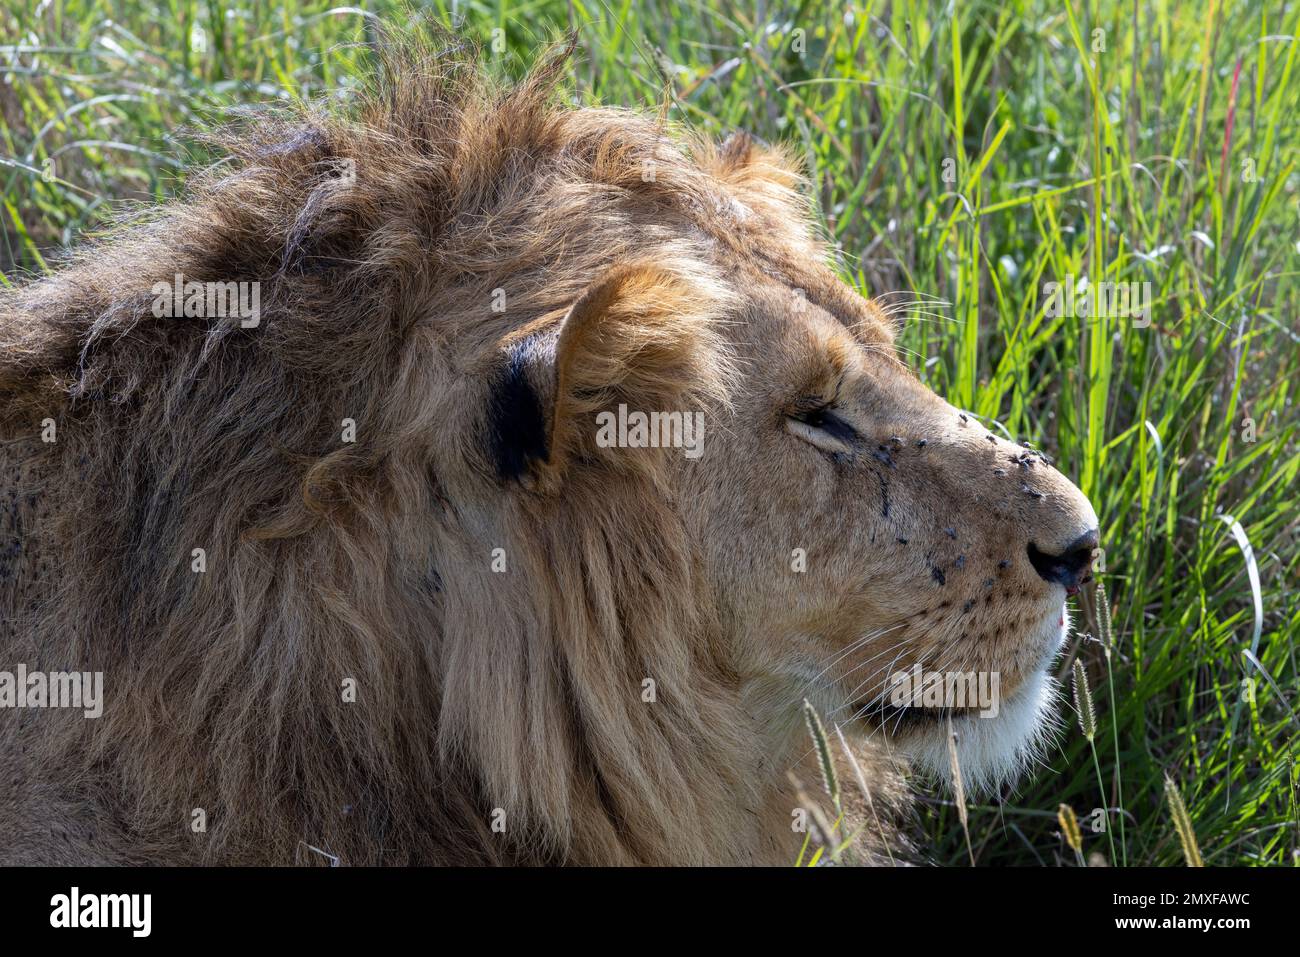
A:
{"points": [[1070, 568]]}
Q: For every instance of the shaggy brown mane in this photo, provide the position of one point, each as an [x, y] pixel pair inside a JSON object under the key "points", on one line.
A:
{"points": [[371, 561]]}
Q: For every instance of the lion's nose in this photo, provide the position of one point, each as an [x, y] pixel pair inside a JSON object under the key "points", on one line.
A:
{"points": [[1070, 568]]}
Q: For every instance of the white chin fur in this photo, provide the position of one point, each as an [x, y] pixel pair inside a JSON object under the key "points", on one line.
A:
{"points": [[992, 752]]}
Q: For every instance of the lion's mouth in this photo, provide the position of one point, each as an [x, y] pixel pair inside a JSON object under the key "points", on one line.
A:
{"points": [[993, 744]]}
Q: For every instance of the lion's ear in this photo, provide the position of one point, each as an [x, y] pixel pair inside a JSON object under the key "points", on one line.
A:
{"points": [[642, 337]]}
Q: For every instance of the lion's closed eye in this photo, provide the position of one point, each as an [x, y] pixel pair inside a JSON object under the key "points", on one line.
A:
{"points": [[822, 428]]}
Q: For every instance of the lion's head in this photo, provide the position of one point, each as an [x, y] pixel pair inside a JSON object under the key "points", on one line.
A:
{"points": [[567, 639]]}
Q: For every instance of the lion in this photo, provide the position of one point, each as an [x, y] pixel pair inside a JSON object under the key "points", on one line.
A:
{"points": [[371, 577]]}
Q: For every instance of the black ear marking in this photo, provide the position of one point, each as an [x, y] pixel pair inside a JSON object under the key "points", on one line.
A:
{"points": [[517, 431]]}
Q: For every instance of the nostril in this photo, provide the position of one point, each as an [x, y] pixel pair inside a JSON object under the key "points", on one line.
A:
{"points": [[1070, 567]]}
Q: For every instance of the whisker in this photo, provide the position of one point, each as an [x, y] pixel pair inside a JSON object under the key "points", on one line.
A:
{"points": [[894, 305], [852, 695], [853, 646], [901, 646], [915, 295], [920, 312]]}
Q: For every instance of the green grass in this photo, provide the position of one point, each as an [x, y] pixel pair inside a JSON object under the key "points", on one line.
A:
{"points": [[970, 156]]}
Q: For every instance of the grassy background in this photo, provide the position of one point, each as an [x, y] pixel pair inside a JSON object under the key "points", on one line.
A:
{"points": [[969, 152]]}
